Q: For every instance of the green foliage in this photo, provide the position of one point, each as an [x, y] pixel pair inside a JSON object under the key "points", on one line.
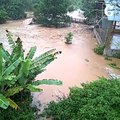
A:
{"points": [[91, 11], [14, 9], [117, 55], [24, 113], [108, 58], [99, 100], [3, 16], [52, 12], [18, 71], [99, 49], [113, 65], [68, 38]]}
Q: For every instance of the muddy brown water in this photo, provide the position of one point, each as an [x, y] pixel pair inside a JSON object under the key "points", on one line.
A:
{"points": [[77, 64]]}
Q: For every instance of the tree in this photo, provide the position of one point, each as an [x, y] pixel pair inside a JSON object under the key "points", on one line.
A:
{"points": [[92, 10], [3, 12], [3, 16], [16, 9], [52, 12]]}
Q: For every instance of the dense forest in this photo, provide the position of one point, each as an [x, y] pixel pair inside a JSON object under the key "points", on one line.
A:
{"points": [[47, 12]]}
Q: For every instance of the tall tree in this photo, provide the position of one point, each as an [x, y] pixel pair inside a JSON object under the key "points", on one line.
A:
{"points": [[52, 12], [92, 10]]}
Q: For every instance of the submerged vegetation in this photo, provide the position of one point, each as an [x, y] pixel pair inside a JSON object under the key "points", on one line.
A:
{"points": [[113, 65], [91, 101], [68, 38], [99, 49]]}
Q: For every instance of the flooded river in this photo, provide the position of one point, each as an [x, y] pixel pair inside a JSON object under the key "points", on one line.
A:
{"points": [[77, 63]]}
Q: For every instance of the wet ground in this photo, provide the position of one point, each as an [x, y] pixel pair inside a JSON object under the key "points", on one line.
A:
{"points": [[77, 63]]}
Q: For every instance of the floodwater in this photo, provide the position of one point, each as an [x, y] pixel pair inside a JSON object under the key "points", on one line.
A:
{"points": [[77, 64]]}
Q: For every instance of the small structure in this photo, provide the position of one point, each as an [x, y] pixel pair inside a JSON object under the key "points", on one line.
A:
{"points": [[76, 16], [107, 30]]}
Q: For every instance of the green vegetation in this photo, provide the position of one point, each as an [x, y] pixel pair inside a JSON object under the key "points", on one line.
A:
{"points": [[99, 100], [91, 11], [99, 49], [3, 16], [117, 55], [52, 12], [108, 58], [68, 38], [113, 65], [14, 9], [24, 113], [18, 71]]}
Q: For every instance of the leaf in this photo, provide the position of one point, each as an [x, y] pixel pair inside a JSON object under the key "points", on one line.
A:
{"points": [[18, 50], [24, 70], [47, 82], [10, 39], [13, 91], [6, 55], [1, 60], [44, 55], [31, 53], [41, 64], [4, 103], [32, 88], [13, 104], [12, 67]]}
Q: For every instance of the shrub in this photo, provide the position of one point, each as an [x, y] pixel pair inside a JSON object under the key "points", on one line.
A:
{"points": [[98, 100], [68, 38], [99, 49], [24, 113]]}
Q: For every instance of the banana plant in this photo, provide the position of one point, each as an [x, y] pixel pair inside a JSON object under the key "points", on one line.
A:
{"points": [[18, 72]]}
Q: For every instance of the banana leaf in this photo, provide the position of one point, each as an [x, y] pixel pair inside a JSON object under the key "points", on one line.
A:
{"points": [[33, 88], [4, 103], [12, 67], [13, 91], [47, 82], [31, 53], [1, 61], [13, 104]]}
